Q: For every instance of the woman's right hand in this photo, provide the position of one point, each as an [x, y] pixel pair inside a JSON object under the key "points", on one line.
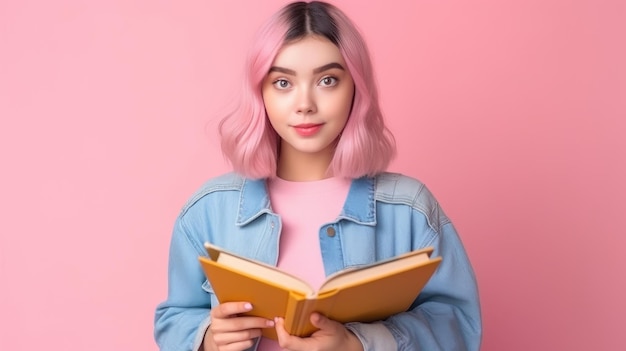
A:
{"points": [[231, 332]]}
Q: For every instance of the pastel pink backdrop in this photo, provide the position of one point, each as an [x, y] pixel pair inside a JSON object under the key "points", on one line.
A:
{"points": [[512, 112]]}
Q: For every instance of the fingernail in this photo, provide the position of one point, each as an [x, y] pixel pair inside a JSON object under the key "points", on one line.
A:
{"points": [[270, 323], [247, 306]]}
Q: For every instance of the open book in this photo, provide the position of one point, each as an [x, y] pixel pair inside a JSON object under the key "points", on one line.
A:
{"points": [[362, 294]]}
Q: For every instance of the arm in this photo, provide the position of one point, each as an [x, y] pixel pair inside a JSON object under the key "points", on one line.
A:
{"points": [[191, 318], [446, 315], [182, 319]]}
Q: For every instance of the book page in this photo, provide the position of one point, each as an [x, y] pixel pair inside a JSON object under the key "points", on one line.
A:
{"points": [[374, 271], [265, 272]]}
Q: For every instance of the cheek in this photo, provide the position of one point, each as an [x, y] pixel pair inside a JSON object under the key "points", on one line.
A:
{"points": [[344, 103], [269, 102], [273, 111]]}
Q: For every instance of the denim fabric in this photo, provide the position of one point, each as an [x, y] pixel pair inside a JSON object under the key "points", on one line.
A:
{"points": [[382, 217]]}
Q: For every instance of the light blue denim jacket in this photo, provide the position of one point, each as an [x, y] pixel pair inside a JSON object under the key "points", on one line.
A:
{"points": [[382, 217]]}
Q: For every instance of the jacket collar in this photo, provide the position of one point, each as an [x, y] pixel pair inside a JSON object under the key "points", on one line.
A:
{"points": [[360, 205], [253, 201]]}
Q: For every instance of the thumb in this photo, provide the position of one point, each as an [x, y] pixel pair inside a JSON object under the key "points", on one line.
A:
{"points": [[319, 321]]}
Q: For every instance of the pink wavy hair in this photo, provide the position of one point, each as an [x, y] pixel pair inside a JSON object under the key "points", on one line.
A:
{"points": [[248, 140]]}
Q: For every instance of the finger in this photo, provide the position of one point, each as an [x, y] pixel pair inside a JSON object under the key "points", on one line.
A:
{"points": [[222, 339], [239, 323], [285, 340], [320, 321], [281, 333], [236, 346], [229, 309]]}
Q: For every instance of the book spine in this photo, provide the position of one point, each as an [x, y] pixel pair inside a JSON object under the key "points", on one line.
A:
{"points": [[293, 312], [303, 326]]}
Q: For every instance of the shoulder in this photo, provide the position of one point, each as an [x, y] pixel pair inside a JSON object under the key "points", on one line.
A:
{"points": [[399, 189], [396, 187], [228, 182]]}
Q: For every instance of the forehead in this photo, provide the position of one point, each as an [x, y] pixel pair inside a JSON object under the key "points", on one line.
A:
{"points": [[308, 52]]}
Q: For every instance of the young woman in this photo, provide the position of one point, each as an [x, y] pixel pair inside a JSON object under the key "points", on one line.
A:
{"points": [[309, 193]]}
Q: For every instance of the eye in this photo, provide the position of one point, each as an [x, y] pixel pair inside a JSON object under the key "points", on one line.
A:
{"points": [[281, 84], [329, 81]]}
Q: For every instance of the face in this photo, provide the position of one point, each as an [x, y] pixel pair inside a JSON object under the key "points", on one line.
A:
{"points": [[308, 96]]}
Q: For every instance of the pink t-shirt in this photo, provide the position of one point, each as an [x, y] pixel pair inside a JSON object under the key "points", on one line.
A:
{"points": [[303, 208]]}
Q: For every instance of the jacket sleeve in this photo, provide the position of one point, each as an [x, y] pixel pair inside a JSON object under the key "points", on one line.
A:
{"points": [[182, 319], [445, 316]]}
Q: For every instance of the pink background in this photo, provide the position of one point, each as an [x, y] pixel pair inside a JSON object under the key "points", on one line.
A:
{"points": [[512, 112]]}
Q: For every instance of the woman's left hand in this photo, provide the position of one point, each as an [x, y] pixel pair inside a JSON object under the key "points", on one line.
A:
{"points": [[330, 336]]}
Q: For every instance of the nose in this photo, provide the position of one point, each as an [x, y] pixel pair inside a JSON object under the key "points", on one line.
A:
{"points": [[305, 103]]}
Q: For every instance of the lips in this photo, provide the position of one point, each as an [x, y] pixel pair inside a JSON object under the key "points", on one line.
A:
{"points": [[307, 129]]}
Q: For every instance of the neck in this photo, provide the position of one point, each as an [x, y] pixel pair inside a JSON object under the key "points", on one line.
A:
{"points": [[297, 166]]}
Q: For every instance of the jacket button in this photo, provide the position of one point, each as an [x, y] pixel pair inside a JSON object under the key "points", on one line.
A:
{"points": [[330, 231]]}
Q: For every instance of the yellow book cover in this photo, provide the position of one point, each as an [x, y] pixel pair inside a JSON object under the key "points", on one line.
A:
{"points": [[360, 294]]}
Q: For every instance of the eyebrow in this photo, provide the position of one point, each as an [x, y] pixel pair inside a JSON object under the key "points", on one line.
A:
{"points": [[320, 69]]}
